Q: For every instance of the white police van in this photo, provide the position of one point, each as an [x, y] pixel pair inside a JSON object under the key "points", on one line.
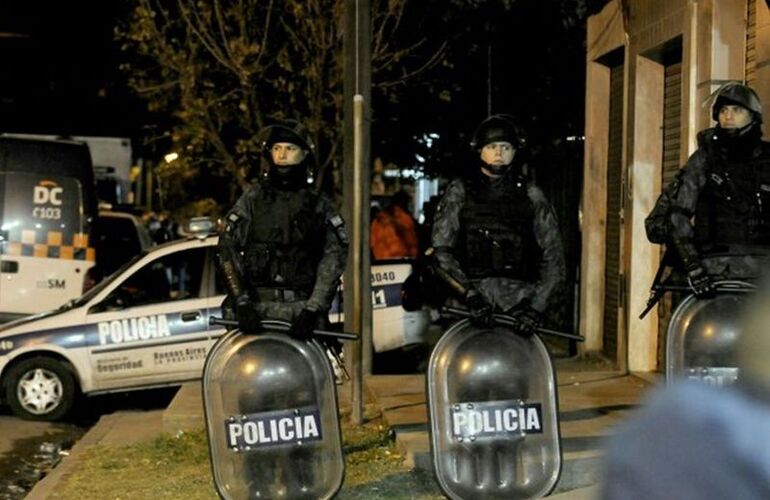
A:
{"points": [[146, 326]]}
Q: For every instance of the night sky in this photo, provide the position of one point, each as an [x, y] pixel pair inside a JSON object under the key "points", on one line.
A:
{"points": [[58, 69], [59, 75]]}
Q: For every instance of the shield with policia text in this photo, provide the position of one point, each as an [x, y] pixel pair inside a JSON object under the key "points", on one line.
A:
{"points": [[701, 337], [271, 416], [493, 414]]}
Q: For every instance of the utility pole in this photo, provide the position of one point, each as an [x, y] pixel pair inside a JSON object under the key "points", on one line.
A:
{"points": [[357, 297]]}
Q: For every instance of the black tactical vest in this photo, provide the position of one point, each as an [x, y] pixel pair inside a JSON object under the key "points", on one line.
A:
{"points": [[496, 233], [286, 240], [733, 207]]}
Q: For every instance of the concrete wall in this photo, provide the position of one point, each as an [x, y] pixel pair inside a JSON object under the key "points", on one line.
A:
{"points": [[644, 173], [605, 34]]}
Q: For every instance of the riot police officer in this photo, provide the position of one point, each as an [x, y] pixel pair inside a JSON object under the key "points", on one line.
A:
{"points": [[715, 215], [284, 246], [496, 234]]}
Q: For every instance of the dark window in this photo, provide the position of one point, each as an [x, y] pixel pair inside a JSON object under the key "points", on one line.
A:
{"points": [[173, 277], [117, 242]]}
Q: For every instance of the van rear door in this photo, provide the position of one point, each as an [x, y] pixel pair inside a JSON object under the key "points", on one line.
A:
{"points": [[45, 249]]}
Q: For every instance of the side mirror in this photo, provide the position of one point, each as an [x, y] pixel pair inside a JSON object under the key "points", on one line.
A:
{"points": [[112, 302], [117, 300]]}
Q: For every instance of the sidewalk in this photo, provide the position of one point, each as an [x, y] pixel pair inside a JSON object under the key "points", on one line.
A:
{"points": [[591, 402]]}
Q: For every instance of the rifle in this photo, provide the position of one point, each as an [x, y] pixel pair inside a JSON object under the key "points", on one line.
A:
{"points": [[658, 290]]}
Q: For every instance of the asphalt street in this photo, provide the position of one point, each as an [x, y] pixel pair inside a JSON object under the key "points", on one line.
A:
{"points": [[28, 449]]}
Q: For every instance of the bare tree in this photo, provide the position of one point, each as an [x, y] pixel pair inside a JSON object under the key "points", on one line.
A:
{"points": [[220, 70]]}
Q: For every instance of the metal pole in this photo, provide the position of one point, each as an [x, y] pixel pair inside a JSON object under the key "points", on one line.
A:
{"points": [[358, 244], [356, 186]]}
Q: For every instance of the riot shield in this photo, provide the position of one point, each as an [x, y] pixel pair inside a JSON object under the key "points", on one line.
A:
{"points": [[493, 414], [701, 336], [271, 415]]}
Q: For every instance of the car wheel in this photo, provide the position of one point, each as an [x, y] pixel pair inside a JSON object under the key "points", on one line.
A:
{"points": [[40, 389]]}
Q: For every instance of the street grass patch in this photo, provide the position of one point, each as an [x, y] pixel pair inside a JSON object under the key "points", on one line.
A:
{"points": [[167, 467], [178, 467]]}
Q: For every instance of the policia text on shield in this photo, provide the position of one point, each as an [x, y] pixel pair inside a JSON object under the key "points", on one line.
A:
{"points": [[493, 411]]}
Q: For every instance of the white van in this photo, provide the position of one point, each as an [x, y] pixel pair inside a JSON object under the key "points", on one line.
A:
{"points": [[47, 207]]}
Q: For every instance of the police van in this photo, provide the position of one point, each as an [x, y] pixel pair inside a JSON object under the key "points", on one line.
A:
{"points": [[147, 326], [47, 207]]}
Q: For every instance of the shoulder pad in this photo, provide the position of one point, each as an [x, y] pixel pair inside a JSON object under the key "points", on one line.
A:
{"points": [[706, 136], [535, 193], [232, 220], [338, 224], [336, 221]]}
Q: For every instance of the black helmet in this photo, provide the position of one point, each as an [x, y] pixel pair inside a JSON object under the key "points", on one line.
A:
{"points": [[498, 128], [737, 93], [287, 131]]}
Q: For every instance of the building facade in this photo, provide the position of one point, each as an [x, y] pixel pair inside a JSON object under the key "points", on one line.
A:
{"points": [[652, 66]]}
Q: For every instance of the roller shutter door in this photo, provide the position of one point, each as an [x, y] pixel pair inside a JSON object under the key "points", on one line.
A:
{"points": [[612, 235], [751, 44], [672, 112]]}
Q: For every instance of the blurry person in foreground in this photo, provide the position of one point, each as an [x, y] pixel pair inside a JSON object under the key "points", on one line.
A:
{"points": [[696, 441]]}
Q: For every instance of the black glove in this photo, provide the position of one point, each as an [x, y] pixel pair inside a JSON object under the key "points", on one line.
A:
{"points": [[700, 282], [249, 320], [528, 319], [303, 325], [480, 309]]}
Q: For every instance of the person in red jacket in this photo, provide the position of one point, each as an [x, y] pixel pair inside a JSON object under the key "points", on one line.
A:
{"points": [[393, 232]]}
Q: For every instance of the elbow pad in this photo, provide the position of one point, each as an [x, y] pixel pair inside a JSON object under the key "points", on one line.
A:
{"points": [[228, 264]]}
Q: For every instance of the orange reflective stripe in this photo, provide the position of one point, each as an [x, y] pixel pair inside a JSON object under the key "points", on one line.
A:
{"points": [[54, 238], [53, 248], [80, 240]]}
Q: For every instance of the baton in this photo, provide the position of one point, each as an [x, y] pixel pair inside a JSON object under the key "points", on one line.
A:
{"points": [[213, 320], [507, 320], [735, 288]]}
